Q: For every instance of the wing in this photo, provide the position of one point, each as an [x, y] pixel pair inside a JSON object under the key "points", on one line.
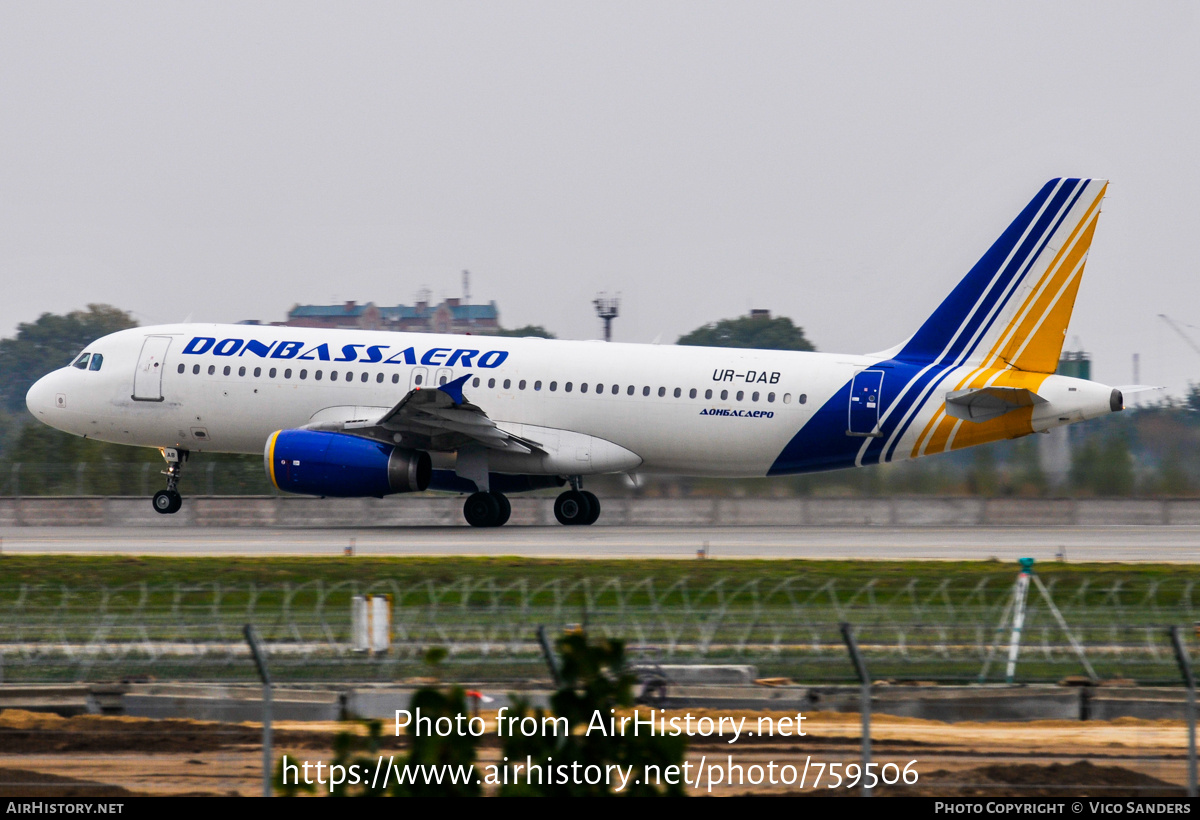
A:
{"points": [[436, 419]]}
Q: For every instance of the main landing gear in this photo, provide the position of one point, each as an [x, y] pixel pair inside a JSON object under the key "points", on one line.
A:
{"points": [[576, 506], [487, 509], [169, 501]]}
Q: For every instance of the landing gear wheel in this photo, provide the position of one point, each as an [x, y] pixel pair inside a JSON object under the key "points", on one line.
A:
{"points": [[482, 510], [572, 508], [505, 508], [167, 502], [594, 504]]}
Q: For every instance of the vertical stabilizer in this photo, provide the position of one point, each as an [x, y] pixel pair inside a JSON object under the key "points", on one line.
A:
{"points": [[1013, 307]]}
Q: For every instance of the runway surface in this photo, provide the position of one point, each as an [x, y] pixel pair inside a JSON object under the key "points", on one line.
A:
{"points": [[1176, 544]]}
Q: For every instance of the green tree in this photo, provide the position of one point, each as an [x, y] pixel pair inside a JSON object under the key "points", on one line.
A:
{"points": [[758, 332], [982, 478], [1103, 468], [527, 330], [50, 343]]}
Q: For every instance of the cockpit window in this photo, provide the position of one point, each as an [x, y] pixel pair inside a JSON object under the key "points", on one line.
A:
{"points": [[97, 362], [82, 361]]}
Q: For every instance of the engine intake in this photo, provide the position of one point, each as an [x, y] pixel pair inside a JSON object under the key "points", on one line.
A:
{"points": [[344, 466]]}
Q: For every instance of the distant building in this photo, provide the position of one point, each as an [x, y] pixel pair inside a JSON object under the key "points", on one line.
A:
{"points": [[451, 316]]}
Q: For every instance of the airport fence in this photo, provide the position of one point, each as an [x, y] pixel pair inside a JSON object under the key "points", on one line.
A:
{"points": [[943, 630]]}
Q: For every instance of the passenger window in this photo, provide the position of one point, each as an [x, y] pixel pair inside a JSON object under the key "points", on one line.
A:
{"points": [[678, 392], [583, 387], [629, 390], [363, 378], [787, 398], [395, 378], [181, 369], [754, 396], [662, 391], [332, 375], [257, 372], [241, 371], [444, 380], [803, 398], [740, 395], [195, 370], [646, 391], [271, 373], [82, 361], [553, 386], [724, 395], [692, 393], [521, 384], [708, 394], [507, 383], [537, 385], [475, 382], [378, 378], [567, 387], [599, 388], [287, 374], [212, 368], [491, 383], [228, 370], [419, 378], [770, 398], [317, 375]]}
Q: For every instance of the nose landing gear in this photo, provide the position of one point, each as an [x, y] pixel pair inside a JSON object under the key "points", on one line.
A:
{"points": [[169, 501]]}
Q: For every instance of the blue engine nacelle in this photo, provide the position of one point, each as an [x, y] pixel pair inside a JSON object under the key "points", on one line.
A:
{"points": [[336, 464]]}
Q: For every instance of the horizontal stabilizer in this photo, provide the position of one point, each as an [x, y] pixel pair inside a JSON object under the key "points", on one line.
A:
{"points": [[982, 403]]}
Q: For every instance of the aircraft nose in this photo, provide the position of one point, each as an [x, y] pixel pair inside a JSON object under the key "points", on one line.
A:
{"points": [[41, 398]]}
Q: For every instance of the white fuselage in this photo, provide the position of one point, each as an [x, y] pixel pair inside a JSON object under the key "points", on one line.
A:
{"points": [[672, 409], [759, 399]]}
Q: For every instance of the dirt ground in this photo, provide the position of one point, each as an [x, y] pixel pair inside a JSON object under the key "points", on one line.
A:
{"points": [[51, 756]]}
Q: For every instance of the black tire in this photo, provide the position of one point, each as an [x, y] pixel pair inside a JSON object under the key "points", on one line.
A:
{"points": [[167, 502], [594, 504], [572, 508], [481, 510], [505, 509]]}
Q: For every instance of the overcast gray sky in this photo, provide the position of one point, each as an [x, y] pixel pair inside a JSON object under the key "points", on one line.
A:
{"points": [[839, 163]]}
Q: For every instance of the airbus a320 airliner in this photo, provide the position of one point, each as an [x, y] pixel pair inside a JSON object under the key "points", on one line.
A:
{"points": [[360, 413]]}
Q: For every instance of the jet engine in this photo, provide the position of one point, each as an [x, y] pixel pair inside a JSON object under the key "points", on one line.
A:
{"points": [[336, 464]]}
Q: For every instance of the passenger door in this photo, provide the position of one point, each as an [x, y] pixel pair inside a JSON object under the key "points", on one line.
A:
{"points": [[147, 378], [865, 401]]}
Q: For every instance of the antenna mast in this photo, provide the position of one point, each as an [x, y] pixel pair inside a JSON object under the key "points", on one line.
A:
{"points": [[607, 308]]}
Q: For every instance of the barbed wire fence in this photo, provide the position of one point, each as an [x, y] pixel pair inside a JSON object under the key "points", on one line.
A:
{"points": [[787, 627]]}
